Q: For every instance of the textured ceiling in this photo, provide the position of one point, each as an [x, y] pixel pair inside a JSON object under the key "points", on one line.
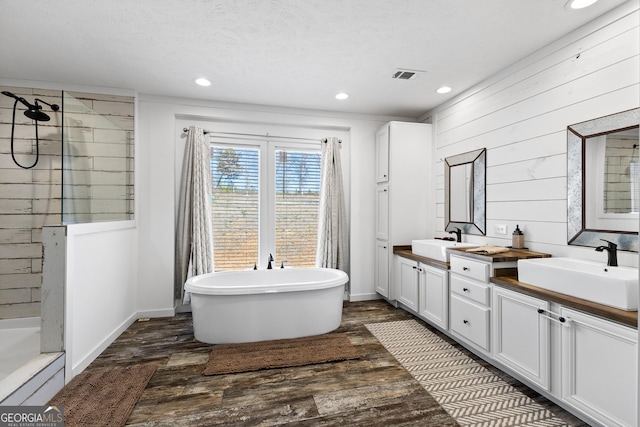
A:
{"points": [[293, 53]]}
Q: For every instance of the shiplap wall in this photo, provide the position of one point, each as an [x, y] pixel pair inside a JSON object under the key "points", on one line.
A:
{"points": [[31, 198], [520, 116]]}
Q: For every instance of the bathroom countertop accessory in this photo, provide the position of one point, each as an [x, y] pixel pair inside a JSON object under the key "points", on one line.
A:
{"points": [[488, 250], [517, 240]]}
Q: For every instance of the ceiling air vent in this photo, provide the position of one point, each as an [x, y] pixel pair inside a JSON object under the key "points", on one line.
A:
{"points": [[406, 74]]}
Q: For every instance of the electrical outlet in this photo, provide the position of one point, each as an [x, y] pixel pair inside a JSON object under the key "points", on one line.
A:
{"points": [[501, 229]]}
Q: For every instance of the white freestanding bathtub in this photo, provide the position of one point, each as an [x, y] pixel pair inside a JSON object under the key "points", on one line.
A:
{"points": [[261, 305]]}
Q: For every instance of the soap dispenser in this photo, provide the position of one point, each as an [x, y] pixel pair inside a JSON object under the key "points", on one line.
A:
{"points": [[517, 240]]}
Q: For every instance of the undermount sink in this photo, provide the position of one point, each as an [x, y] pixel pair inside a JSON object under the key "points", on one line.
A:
{"points": [[589, 280], [436, 248]]}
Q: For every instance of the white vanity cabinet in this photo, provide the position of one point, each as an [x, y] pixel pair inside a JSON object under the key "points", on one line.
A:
{"points": [[433, 295], [403, 156], [521, 334], [423, 290], [470, 303], [408, 275], [599, 368]]}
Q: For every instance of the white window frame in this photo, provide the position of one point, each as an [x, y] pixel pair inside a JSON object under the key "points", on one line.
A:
{"points": [[267, 186]]}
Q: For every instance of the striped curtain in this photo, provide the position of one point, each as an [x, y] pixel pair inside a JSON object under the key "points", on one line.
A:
{"points": [[333, 245], [194, 231]]}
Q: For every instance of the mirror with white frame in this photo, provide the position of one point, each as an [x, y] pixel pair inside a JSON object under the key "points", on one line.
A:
{"points": [[464, 196], [603, 176]]}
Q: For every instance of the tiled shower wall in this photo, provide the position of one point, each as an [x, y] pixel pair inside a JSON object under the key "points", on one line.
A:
{"points": [[31, 198]]}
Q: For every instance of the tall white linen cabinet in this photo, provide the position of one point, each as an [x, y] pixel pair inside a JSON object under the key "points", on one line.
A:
{"points": [[403, 182]]}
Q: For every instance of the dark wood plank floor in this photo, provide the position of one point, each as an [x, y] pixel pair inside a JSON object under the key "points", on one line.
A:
{"points": [[371, 391]]}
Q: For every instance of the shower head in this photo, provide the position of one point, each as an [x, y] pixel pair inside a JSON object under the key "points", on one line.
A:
{"points": [[37, 114], [33, 111]]}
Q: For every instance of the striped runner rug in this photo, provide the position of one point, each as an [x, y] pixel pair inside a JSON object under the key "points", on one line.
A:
{"points": [[473, 395]]}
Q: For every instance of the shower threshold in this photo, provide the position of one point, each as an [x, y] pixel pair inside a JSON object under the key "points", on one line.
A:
{"points": [[35, 382]]}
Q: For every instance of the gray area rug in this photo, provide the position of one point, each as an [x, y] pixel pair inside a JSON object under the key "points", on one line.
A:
{"points": [[473, 395]]}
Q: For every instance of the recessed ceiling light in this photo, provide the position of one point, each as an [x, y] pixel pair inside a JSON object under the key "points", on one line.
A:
{"points": [[444, 89], [203, 82], [342, 95], [579, 4]]}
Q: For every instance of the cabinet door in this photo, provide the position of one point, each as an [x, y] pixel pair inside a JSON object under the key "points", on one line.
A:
{"points": [[382, 154], [599, 368], [433, 293], [382, 212], [521, 335], [407, 282], [382, 269]]}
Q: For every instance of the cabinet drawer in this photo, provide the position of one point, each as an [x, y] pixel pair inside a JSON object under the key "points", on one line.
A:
{"points": [[470, 321], [473, 290], [477, 270]]}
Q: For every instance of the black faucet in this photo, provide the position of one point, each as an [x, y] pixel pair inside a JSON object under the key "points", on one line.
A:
{"points": [[458, 234], [269, 267], [612, 253]]}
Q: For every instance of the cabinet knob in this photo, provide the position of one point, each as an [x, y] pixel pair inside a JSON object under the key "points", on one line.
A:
{"points": [[465, 289], [414, 267], [466, 322], [385, 190], [465, 268], [540, 310], [562, 319]]}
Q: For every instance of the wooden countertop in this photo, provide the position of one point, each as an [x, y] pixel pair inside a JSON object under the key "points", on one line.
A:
{"points": [[405, 252], [629, 318], [511, 255]]}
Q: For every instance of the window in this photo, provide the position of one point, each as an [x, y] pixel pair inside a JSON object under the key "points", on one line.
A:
{"points": [[235, 178], [296, 206], [265, 200]]}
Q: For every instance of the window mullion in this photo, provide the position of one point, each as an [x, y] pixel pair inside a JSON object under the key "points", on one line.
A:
{"points": [[267, 209]]}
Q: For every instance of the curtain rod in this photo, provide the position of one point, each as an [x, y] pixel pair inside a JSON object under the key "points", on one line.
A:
{"points": [[266, 135]]}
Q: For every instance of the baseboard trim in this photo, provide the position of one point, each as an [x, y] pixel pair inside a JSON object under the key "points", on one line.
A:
{"points": [[167, 312], [82, 364], [364, 297]]}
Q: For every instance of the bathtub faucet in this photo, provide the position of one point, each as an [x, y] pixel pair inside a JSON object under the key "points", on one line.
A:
{"points": [[269, 267]]}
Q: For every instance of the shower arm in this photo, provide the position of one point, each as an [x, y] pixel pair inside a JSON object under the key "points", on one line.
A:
{"points": [[54, 107]]}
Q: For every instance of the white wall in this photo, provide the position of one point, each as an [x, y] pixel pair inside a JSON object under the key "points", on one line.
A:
{"points": [[100, 299], [158, 154], [521, 116]]}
